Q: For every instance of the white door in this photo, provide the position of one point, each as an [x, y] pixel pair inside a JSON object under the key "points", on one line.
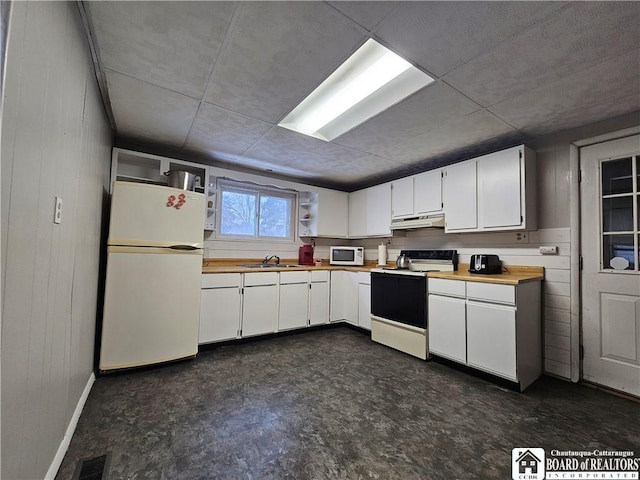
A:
{"points": [[351, 297], [294, 299], [358, 213], [379, 210], [499, 189], [491, 339], [447, 327], [402, 198], [259, 310], [364, 305], [459, 194], [427, 192], [152, 215], [610, 203], [319, 303], [219, 314]]}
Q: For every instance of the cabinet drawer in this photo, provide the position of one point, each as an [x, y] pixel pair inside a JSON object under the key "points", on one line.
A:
{"points": [[491, 292], [218, 280], [319, 275], [451, 288], [294, 277], [266, 278]]}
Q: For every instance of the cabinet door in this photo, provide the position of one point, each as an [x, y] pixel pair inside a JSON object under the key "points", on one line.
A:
{"points": [[319, 303], [293, 311], [491, 339], [259, 310], [364, 305], [447, 328], [333, 214], [379, 210], [427, 192], [351, 297], [402, 198], [499, 189], [337, 300], [460, 196], [219, 314], [358, 214]]}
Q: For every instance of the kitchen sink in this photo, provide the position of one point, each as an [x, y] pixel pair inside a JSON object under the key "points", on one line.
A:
{"points": [[269, 265]]}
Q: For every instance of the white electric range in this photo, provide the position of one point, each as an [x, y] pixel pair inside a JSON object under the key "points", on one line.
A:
{"points": [[399, 314]]}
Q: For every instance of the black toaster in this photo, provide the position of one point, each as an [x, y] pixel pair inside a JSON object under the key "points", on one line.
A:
{"points": [[485, 264]]}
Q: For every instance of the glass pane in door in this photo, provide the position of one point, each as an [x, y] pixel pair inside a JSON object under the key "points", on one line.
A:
{"points": [[617, 214], [618, 252], [616, 177]]}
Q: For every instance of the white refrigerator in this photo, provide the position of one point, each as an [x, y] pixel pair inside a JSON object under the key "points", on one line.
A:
{"points": [[154, 268]]}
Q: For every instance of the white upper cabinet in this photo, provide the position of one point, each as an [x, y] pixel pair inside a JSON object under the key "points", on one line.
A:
{"points": [[402, 198], [417, 195], [370, 212], [379, 210], [323, 214], [358, 214], [460, 197], [427, 192], [506, 190], [491, 193]]}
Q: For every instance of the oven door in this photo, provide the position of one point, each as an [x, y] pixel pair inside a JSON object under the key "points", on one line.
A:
{"points": [[401, 298]]}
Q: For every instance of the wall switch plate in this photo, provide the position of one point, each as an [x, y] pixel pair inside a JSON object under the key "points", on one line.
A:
{"points": [[57, 213], [549, 250]]}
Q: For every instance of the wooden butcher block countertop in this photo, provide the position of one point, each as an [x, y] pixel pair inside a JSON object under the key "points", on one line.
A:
{"points": [[235, 265], [513, 276]]}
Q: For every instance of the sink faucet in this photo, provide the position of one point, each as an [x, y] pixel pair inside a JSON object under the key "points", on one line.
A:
{"points": [[268, 257]]}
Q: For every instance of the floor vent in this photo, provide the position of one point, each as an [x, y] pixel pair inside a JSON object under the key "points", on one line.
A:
{"points": [[92, 468]]}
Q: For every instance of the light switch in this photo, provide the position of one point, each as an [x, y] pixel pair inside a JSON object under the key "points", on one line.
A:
{"points": [[549, 250], [57, 214]]}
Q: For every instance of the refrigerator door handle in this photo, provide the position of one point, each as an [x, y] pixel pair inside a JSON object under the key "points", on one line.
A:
{"points": [[183, 247]]}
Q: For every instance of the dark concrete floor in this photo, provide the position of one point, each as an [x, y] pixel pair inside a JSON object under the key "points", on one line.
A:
{"points": [[331, 404]]}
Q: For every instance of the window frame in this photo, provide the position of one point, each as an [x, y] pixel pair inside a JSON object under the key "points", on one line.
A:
{"points": [[227, 184]]}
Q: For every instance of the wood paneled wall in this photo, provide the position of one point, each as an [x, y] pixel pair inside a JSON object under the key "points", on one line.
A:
{"points": [[55, 141]]}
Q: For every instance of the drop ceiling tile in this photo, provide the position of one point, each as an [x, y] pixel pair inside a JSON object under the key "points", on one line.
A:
{"points": [[595, 85], [366, 14], [222, 133], [169, 44], [283, 148], [580, 116], [440, 36], [144, 111], [429, 108], [277, 53], [460, 133], [581, 34]]}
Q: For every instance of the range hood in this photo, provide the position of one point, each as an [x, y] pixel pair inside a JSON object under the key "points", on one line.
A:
{"points": [[422, 221]]}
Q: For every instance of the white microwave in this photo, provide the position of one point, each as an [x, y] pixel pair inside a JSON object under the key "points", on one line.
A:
{"points": [[346, 255]]}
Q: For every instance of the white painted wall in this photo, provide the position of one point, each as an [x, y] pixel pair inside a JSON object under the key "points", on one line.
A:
{"points": [[55, 141]]}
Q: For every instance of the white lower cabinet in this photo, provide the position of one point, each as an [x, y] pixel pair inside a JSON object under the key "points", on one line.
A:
{"points": [[319, 297], [491, 339], [219, 307], [491, 327], [294, 300], [364, 300], [259, 303], [447, 327]]}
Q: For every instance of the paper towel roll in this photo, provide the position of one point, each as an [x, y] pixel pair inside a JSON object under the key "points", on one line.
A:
{"points": [[382, 254]]}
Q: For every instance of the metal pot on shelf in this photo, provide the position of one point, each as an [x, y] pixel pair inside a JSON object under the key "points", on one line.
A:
{"points": [[180, 179]]}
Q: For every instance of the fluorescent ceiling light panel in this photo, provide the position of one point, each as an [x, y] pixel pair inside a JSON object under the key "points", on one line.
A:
{"points": [[368, 82]]}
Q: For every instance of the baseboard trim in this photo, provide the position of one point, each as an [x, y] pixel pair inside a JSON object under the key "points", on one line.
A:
{"points": [[71, 428]]}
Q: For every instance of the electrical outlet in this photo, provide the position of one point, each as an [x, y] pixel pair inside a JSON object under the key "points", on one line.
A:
{"points": [[522, 237], [57, 213], [548, 250]]}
